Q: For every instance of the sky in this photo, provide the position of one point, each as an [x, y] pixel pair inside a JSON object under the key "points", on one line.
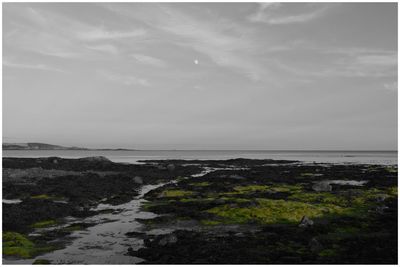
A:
{"points": [[201, 75]]}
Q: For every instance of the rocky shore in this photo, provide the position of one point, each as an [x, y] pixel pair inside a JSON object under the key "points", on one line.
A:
{"points": [[219, 211]]}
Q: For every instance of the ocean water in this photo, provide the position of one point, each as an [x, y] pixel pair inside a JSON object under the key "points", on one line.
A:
{"points": [[350, 157]]}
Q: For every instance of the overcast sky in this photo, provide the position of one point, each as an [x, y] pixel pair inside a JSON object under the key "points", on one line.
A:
{"points": [[201, 76]]}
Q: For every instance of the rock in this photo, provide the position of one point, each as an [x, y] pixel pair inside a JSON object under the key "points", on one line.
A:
{"points": [[322, 187], [41, 262], [167, 240], [171, 167], [306, 222], [381, 198], [98, 158], [161, 167], [381, 209], [315, 245], [136, 234], [138, 180], [220, 201], [240, 235], [290, 259], [237, 177]]}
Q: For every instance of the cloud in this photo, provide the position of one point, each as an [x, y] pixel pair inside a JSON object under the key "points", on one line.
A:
{"points": [[106, 48], [99, 34], [269, 13], [51, 33], [31, 66], [393, 86], [225, 43], [337, 61], [127, 80], [148, 60]]}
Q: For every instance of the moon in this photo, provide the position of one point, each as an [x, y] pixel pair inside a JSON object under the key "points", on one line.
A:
{"points": [[196, 61]]}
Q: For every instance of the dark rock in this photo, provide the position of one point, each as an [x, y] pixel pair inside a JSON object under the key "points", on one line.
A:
{"points": [[171, 167], [306, 222], [96, 159], [315, 245], [236, 177], [220, 201], [322, 187], [167, 240], [138, 180]]}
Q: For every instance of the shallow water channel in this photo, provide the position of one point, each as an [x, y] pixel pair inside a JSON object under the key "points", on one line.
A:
{"points": [[106, 242]]}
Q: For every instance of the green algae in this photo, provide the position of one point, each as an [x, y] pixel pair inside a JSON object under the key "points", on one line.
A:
{"points": [[392, 191], [201, 184], [307, 174], [44, 224], [210, 222], [16, 244], [391, 169], [270, 211], [196, 199], [250, 188], [285, 188], [42, 196], [324, 197], [176, 193], [41, 262], [278, 188], [327, 253]]}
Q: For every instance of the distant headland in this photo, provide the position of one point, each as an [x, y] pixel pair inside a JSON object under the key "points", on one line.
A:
{"points": [[43, 146]]}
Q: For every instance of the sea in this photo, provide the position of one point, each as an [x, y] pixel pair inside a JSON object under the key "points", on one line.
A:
{"points": [[135, 156]]}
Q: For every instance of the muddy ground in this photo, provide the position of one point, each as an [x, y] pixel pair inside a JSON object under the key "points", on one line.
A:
{"points": [[241, 211]]}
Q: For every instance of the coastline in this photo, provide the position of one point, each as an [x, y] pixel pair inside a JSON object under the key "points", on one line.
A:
{"points": [[57, 196]]}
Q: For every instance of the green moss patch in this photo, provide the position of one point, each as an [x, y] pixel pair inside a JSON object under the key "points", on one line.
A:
{"points": [[209, 222], [41, 262], [200, 184], [270, 211], [176, 193], [277, 188], [16, 244], [44, 224], [391, 169], [42, 196], [327, 198]]}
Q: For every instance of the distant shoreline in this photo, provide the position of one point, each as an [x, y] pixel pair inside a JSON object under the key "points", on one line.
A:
{"points": [[261, 150]]}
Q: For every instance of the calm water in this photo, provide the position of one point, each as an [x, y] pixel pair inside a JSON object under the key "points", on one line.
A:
{"points": [[366, 157]]}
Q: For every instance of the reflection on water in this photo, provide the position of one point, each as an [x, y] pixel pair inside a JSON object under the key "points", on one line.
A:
{"points": [[106, 242]]}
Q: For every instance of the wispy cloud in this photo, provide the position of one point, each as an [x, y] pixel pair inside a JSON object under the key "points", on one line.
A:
{"points": [[224, 43], [105, 48], [41, 67], [148, 60], [338, 61], [98, 34], [127, 80], [391, 86], [55, 34], [268, 13]]}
